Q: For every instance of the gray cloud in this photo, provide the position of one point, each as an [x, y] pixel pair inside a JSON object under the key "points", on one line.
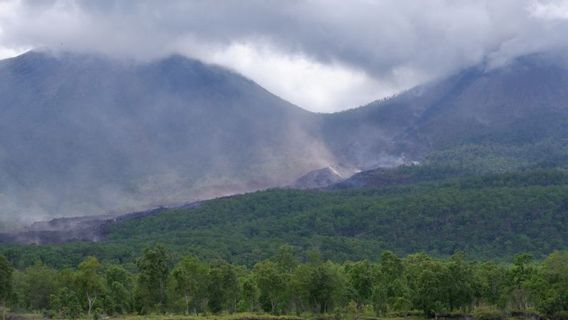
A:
{"points": [[375, 48]]}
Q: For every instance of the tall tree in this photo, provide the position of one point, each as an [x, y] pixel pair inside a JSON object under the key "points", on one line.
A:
{"points": [[154, 266], [250, 293], [119, 285], [271, 282], [223, 288], [460, 282], [190, 276], [491, 279], [361, 282], [427, 280], [38, 283], [519, 276], [65, 302], [5, 283], [320, 284], [391, 284], [90, 282], [550, 286]]}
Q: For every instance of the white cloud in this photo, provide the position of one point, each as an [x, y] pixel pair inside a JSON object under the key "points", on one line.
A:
{"points": [[314, 85], [6, 52], [323, 55], [551, 10], [9, 52]]}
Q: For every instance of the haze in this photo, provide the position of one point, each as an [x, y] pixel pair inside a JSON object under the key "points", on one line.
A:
{"points": [[324, 56]]}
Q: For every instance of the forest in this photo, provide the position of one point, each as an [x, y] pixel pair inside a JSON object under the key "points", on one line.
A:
{"points": [[288, 284], [420, 244], [490, 217]]}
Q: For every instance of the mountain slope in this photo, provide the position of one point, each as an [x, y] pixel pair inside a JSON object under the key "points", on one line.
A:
{"points": [[493, 217], [84, 134], [485, 154], [521, 104]]}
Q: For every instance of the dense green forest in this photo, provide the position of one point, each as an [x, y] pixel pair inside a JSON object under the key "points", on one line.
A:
{"points": [[442, 239], [284, 284], [489, 217]]}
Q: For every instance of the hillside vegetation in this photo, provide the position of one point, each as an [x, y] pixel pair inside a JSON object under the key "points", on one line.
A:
{"points": [[492, 217], [89, 134]]}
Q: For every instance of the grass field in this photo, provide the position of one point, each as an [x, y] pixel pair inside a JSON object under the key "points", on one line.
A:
{"points": [[236, 316]]}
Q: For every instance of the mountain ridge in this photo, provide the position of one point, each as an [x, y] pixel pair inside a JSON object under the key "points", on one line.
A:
{"points": [[83, 134], [140, 135]]}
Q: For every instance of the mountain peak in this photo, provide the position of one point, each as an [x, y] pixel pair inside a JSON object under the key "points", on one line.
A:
{"points": [[89, 134]]}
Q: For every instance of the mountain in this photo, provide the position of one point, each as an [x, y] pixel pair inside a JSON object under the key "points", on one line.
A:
{"points": [[321, 178], [514, 112], [475, 162], [83, 134]]}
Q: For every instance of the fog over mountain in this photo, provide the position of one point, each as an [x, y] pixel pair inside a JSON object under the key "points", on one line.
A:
{"points": [[86, 134], [281, 160], [121, 106], [521, 103], [83, 134], [323, 55]]}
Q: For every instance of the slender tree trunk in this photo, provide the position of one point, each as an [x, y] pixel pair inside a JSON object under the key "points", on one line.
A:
{"points": [[91, 302], [273, 305], [161, 292], [186, 303]]}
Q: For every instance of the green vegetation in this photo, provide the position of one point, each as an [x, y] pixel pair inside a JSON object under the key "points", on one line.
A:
{"points": [[286, 285], [5, 283], [488, 217], [327, 254]]}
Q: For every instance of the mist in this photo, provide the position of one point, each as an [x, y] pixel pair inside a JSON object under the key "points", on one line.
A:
{"points": [[88, 134], [110, 112], [322, 55]]}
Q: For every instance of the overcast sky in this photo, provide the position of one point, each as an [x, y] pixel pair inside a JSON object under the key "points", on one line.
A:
{"points": [[323, 55]]}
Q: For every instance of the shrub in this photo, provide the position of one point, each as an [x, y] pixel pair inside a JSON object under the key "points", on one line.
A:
{"points": [[488, 314]]}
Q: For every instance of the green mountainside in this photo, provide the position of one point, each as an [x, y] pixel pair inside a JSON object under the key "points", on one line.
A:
{"points": [[464, 181], [489, 217]]}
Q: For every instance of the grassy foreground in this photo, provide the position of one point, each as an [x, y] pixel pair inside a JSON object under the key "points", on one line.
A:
{"points": [[235, 316]]}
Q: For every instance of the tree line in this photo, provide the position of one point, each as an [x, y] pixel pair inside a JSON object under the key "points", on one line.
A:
{"points": [[286, 285]]}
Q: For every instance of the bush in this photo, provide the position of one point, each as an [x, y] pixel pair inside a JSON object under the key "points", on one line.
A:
{"points": [[488, 314], [49, 314]]}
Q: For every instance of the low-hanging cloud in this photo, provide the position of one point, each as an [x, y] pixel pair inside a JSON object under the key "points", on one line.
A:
{"points": [[323, 55]]}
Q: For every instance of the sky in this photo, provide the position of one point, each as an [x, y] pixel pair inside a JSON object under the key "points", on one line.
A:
{"points": [[323, 55]]}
